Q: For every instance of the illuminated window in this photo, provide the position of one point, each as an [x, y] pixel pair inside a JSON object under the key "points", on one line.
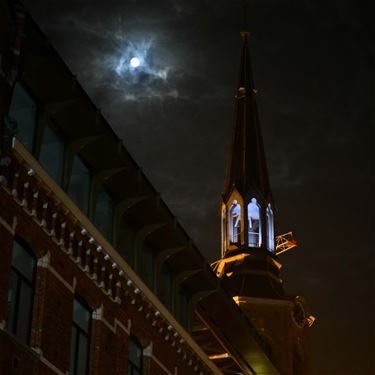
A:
{"points": [[52, 153], [80, 339], [20, 293], [255, 230], [79, 184], [270, 230], [103, 214], [23, 110], [135, 357], [235, 222]]}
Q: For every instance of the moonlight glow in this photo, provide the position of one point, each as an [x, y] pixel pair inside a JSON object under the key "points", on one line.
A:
{"points": [[134, 62]]}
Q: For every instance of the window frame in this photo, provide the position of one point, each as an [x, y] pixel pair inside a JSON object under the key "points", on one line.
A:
{"points": [[270, 228], [31, 95], [97, 191], [70, 172], [60, 135], [31, 284], [79, 332], [235, 238], [132, 366], [258, 233]]}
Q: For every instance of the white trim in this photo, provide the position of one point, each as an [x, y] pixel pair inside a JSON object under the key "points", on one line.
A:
{"points": [[44, 261], [98, 315]]}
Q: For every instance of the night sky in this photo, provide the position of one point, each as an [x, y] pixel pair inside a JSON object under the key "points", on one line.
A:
{"points": [[314, 71]]}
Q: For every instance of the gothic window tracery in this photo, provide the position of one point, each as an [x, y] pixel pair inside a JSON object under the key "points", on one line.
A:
{"points": [[255, 231], [235, 222]]}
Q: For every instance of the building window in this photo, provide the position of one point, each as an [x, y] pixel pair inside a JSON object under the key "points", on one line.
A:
{"points": [[126, 239], [270, 229], [184, 312], [255, 230], [103, 214], [80, 339], [79, 184], [165, 287], [146, 263], [235, 222], [20, 293], [135, 357], [52, 153], [23, 111]]}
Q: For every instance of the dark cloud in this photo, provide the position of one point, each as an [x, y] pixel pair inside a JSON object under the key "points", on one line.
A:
{"points": [[314, 69]]}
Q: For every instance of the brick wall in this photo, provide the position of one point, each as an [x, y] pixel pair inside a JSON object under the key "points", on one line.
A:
{"points": [[58, 280]]}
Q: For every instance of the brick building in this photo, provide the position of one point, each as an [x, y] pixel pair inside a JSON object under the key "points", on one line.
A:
{"points": [[96, 274]]}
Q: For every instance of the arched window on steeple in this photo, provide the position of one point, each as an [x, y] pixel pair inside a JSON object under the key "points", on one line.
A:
{"points": [[235, 222], [270, 229], [255, 225]]}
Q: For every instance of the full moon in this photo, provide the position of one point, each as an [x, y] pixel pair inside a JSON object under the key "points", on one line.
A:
{"points": [[134, 62]]}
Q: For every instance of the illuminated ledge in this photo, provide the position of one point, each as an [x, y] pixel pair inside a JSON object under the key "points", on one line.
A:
{"points": [[310, 319], [219, 266], [219, 356], [261, 301]]}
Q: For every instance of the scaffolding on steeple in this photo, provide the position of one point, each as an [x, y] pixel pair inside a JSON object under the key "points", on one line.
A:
{"points": [[285, 242]]}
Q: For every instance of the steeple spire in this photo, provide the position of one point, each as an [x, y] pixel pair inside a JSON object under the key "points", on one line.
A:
{"points": [[247, 168], [247, 205]]}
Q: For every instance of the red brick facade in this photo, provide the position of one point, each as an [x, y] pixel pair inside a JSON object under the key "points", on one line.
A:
{"points": [[58, 280]]}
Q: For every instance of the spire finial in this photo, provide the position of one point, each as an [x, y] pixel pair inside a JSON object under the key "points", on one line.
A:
{"points": [[244, 18]]}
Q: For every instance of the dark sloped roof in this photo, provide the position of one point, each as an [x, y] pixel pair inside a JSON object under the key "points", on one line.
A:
{"points": [[247, 168]]}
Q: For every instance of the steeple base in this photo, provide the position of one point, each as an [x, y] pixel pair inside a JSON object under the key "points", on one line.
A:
{"points": [[251, 272]]}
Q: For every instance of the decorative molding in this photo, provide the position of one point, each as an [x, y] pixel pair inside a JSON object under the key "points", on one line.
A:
{"points": [[147, 351], [44, 261], [98, 315]]}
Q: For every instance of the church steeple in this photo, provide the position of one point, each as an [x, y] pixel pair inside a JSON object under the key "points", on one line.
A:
{"points": [[247, 168], [247, 209], [249, 267]]}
